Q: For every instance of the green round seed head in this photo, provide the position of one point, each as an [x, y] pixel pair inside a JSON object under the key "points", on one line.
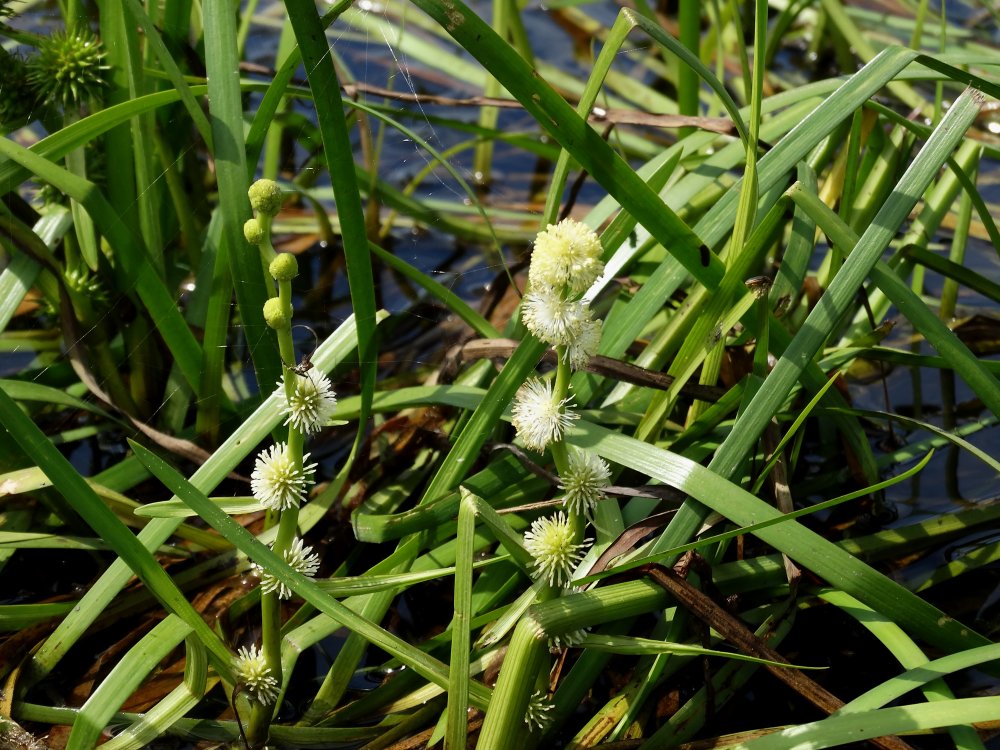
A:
{"points": [[276, 314], [67, 69], [265, 197], [284, 267], [253, 232]]}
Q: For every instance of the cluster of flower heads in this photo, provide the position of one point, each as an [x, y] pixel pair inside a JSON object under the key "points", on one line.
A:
{"points": [[278, 482], [567, 256], [565, 263], [282, 474]]}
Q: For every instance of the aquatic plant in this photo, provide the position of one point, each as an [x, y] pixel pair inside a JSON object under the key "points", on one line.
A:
{"points": [[650, 461]]}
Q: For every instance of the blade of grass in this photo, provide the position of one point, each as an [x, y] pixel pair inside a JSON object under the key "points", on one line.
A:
{"points": [[142, 191], [64, 140], [458, 687], [716, 538], [126, 676], [176, 78], [909, 655], [853, 93], [247, 275], [803, 545], [199, 729], [137, 269], [85, 501], [899, 686], [158, 720], [623, 644], [731, 454], [909, 304], [323, 81], [842, 729]]}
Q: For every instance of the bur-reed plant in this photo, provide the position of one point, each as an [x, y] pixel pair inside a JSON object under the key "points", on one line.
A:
{"points": [[653, 466]]}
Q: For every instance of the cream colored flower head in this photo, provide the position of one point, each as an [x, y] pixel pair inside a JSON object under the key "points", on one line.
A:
{"points": [[300, 558], [537, 416], [584, 344], [554, 320], [550, 542], [587, 474], [561, 322], [567, 256], [255, 676], [312, 404], [277, 482]]}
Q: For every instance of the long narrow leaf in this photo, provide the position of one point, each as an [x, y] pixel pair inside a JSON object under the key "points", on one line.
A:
{"points": [[86, 502]]}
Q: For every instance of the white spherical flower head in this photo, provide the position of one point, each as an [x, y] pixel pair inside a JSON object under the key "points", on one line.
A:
{"points": [[537, 416], [536, 715], [276, 482], [300, 558], [255, 676], [584, 345], [554, 320], [587, 474], [312, 403], [550, 542], [567, 256]]}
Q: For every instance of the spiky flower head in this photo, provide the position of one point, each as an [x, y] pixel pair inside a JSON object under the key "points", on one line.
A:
{"points": [[585, 344], [300, 558], [255, 676], [538, 416], [536, 716], [550, 542], [551, 318], [311, 404], [67, 68], [265, 197], [567, 256], [277, 482], [584, 480]]}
